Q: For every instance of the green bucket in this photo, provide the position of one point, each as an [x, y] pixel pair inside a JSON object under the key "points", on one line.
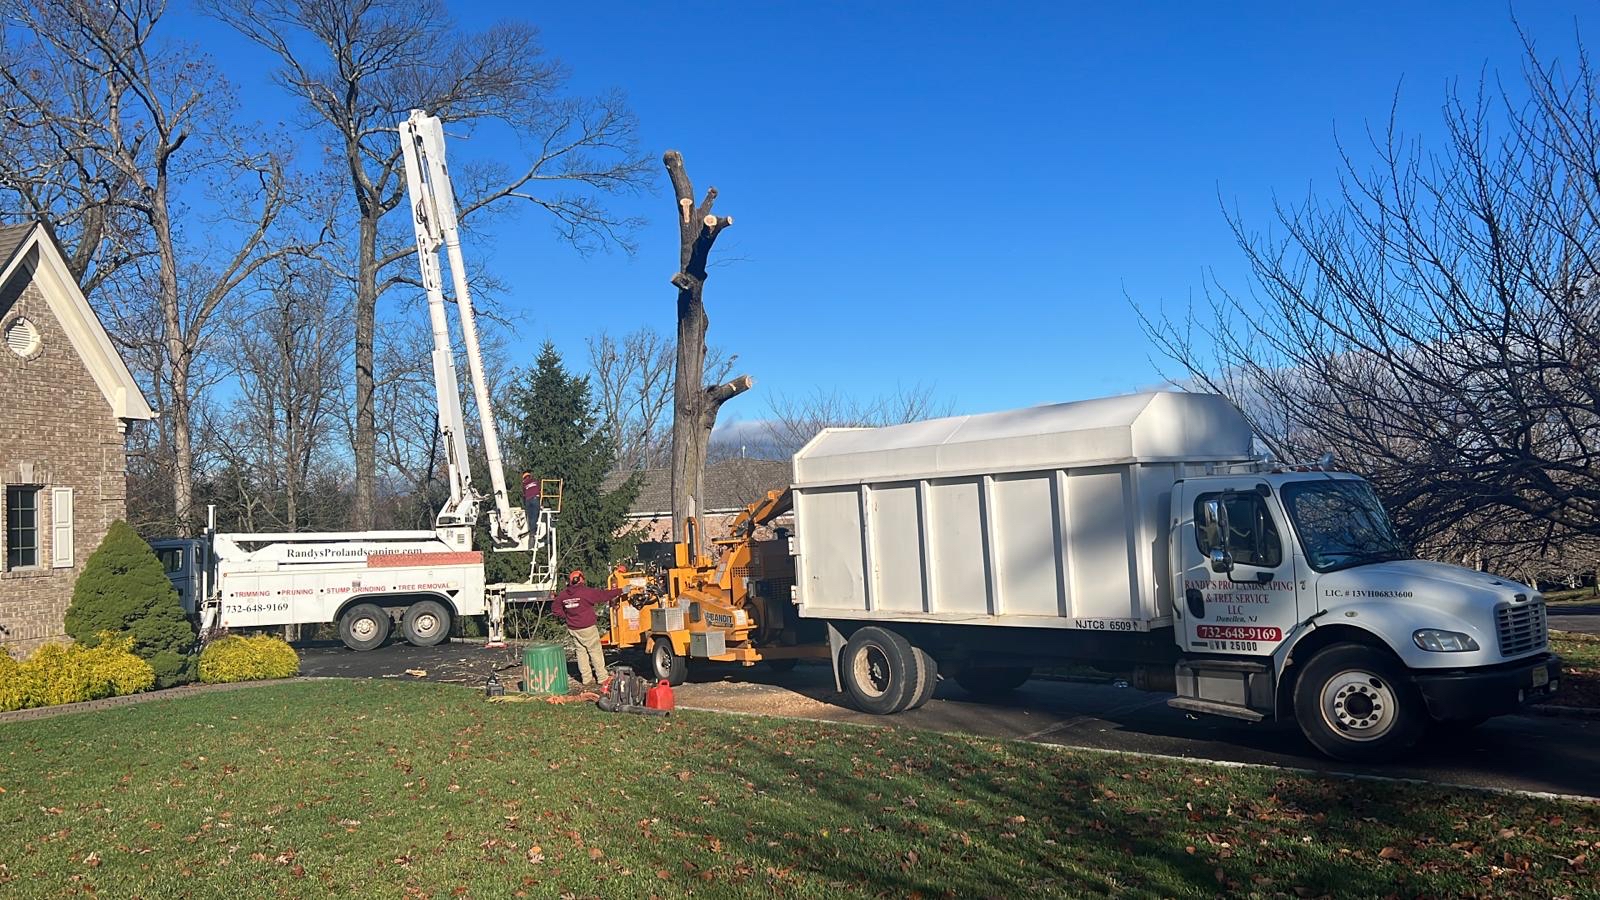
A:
{"points": [[546, 668]]}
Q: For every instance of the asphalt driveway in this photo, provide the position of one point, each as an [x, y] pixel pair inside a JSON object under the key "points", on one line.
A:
{"points": [[1535, 753]]}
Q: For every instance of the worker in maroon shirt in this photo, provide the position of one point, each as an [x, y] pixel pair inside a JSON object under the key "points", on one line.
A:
{"points": [[530, 498], [575, 605]]}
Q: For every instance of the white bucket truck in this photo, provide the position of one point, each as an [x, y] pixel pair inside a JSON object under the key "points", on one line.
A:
{"points": [[368, 582], [1141, 534]]}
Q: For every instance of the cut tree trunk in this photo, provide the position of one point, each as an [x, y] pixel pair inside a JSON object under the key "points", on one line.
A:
{"points": [[695, 403]]}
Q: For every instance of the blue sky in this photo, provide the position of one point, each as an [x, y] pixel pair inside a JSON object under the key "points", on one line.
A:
{"points": [[956, 194]]}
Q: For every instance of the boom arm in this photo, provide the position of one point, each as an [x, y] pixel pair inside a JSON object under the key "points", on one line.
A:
{"points": [[433, 210]]}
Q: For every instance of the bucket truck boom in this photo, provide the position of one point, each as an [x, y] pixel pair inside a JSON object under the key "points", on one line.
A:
{"points": [[433, 210]]}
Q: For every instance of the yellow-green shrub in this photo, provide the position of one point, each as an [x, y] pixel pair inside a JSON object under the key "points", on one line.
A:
{"points": [[254, 658], [15, 684], [71, 673]]}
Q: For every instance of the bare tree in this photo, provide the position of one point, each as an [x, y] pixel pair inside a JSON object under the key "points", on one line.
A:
{"points": [[1437, 322], [52, 175], [149, 119], [633, 382], [358, 66], [695, 403], [279, 429]]}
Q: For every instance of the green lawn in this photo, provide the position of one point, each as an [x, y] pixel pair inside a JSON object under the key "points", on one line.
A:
{"points": [[1580, 663], [386, 789]]}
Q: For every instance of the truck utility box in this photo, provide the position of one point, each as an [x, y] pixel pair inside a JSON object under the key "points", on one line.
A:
{"points": [[1053, 516]]}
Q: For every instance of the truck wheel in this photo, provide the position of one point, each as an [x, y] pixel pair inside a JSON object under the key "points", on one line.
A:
{"points": [[1354, 703], [879, 669], [364, 627], [995, 681], [425, 623], [665, 663], [930, 680]]}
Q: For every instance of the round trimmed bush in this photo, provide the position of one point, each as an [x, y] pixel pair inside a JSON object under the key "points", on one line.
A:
{"points": [[123, 590], [254, 658]]}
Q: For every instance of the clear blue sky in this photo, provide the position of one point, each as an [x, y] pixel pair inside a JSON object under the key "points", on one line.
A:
{"points": [[960, 194]]}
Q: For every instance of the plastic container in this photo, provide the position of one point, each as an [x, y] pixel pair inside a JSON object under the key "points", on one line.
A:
{"points": [[547, 668], [660, 696]]}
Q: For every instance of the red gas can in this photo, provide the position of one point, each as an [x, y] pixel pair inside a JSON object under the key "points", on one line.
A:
{"points": [[660, 696]]}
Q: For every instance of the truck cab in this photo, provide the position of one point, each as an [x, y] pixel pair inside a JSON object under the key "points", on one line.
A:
{"points": [[185, 564], [1295, 598]]}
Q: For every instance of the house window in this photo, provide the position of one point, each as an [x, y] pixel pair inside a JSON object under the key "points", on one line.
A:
{"points": [[22, 527]]}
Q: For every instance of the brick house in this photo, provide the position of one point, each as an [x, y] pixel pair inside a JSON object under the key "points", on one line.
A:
{"points": [[67, 399], [731, 485]]}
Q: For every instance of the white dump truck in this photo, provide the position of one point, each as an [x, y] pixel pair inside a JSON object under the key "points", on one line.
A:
{"points": [[1143, 534]]}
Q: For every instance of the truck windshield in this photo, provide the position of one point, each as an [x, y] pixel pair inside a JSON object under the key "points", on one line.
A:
{"points": [[1341, 524]]}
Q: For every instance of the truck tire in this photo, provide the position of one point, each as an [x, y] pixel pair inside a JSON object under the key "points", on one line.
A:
{"points": [[425, 623], [993, 681], [879, 669], [364, 627], [665, 663], [930, 678], [1354, 703]]}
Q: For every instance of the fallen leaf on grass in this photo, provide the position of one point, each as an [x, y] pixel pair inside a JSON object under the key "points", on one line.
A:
{"points": [[595, 853], [1388, 853], [535, 854], [92, 860], [684, 776]]}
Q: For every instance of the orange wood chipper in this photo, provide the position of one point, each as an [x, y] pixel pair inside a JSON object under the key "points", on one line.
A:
{"points": [[726, 600]]}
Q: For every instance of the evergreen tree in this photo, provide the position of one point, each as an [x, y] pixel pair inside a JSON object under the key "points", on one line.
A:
{"points": [[552, 431], [122, 589]]}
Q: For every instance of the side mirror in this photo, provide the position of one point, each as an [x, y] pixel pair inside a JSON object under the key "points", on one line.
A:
{"points": [[1215, 513]]}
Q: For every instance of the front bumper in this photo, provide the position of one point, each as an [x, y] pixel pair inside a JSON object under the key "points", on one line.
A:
{"points": [[1455, 694]]}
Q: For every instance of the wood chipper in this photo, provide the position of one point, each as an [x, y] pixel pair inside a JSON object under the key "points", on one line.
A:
{"points": [[726, 600]]}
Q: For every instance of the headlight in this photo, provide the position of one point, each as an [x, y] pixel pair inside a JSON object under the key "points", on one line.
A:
{"points": [[1440, 641]]}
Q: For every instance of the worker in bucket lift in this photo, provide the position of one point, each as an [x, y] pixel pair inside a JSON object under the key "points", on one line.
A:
{"points": [[575, 605], [530, 497]]}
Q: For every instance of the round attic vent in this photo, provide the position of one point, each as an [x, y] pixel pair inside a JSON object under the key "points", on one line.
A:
{"points": [[22, 337]]}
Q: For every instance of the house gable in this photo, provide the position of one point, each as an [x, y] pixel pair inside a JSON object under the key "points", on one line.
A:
{"points": [[29, 254]]}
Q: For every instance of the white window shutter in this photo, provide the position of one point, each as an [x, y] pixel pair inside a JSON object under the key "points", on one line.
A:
{"points": [[61, 528]]}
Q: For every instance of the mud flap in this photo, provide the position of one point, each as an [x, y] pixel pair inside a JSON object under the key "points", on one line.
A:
{"points": [[835, 647]]}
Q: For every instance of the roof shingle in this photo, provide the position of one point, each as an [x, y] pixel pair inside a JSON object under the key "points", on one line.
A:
{"points": [[731, 484], [11, 237]]}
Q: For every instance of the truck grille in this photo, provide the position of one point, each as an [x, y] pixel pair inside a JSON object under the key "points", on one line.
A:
{"points": [[1521, 627]]}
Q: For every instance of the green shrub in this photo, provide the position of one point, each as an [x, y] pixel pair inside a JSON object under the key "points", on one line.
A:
{"points": [[123, 590], [254, 658], [72, 673], [15, 683]]}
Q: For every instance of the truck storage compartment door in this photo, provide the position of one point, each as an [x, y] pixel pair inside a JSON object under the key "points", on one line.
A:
{"points": [[1241, 601]]}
